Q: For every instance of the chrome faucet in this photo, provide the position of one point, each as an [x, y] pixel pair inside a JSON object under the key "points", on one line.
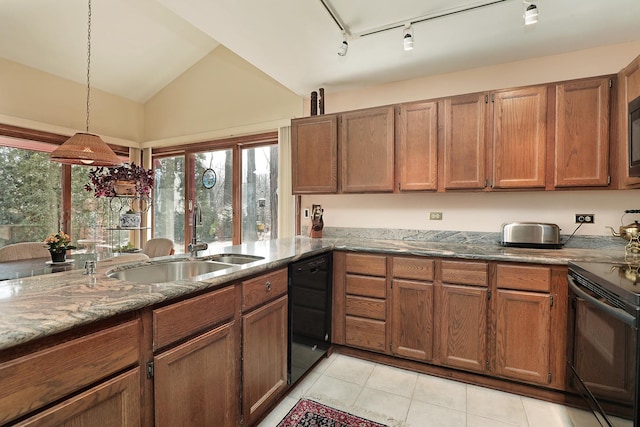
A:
{"points": [[194, 246]]}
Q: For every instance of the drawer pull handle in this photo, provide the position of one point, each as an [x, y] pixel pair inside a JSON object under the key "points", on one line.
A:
{"points": [[268, 285]]}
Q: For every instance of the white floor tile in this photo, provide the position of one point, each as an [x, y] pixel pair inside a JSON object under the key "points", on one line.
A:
{"points": [[350, 369], [278, 413], [423, 414], [304, 385], [393, 380], [546, 414], [328, 390], [383, 403], [442, 392], [478, 421], [496, 405]]}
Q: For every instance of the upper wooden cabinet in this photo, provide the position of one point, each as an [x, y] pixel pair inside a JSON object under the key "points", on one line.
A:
{"points": [[519, 138], [314, 154], [417, 146], [628, 90], [464, 145], [367, 150], [582, 110]]}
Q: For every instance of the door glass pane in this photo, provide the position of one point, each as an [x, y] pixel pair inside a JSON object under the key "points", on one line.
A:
{"points": [[259, 193], [213, 182], [30, 197], [168, 200], [89, 215]]}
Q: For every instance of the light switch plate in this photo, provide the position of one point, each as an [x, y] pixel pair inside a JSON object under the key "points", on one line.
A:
{"points": [[305, 213]]}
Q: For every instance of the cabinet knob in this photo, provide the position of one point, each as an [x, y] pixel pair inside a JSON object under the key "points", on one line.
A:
{"points": [[268, 285]]}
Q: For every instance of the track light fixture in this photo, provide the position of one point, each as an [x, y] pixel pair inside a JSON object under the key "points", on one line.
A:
{"points": [[344, 46], [530, 14], [407, 38]]}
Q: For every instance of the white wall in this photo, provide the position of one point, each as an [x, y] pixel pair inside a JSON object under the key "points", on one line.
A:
{"points": [[481, 211]]}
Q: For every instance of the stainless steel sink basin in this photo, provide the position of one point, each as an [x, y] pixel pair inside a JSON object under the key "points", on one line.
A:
{"points": [[236, 258], [168, 271]]}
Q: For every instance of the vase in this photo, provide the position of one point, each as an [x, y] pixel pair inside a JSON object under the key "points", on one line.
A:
{"points": [[125, 188], [130, 220], [59, 255]]}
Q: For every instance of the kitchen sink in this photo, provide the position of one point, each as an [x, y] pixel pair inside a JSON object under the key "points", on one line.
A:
{"points": [[235, 258], [168, 271]]}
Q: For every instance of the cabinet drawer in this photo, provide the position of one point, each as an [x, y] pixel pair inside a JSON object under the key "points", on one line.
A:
{"points": [[263, 288], [375, 287], [464, 273], [185, 318], [524, 277], [371, 308], [413, 268], [365, 333], [370, 265], [34, 380]]}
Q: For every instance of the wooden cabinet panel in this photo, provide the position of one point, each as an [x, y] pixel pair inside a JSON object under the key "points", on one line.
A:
{"points": [[367, 150], [371, 265], [369, 334], [114, 403], [519, 138], [264, 288], [462, 312], [372, 308], [412, 319], [413, 268], [523, 335], [582, 133], [196, 383], [465, 273], [264, 354], [417, 146], [465, 148], [314, 154], [523, 277], [34, 380], [628, 89], [366, 286], [179, 320]]}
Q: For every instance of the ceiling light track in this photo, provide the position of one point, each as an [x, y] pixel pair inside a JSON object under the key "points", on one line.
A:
{"points": [[335, 17]]}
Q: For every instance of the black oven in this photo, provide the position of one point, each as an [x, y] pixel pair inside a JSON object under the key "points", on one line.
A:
{"points": [[634, 137], [603, 360]]}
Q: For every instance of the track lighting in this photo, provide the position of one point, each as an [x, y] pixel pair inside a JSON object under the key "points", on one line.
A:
{"points": [[530, 14], [407, 38], [344, 46]]}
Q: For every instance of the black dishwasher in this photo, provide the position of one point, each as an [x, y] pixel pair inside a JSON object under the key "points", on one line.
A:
{"points": [[309, 313]]}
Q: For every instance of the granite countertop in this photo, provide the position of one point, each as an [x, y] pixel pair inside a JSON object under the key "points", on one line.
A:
{"points": [[35, 307]]}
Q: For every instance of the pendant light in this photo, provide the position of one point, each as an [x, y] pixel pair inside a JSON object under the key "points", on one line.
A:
{"points": [[85, 148]]}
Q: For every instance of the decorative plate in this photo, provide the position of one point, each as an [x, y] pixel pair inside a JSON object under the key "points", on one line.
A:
{"points": [[209, 178]]}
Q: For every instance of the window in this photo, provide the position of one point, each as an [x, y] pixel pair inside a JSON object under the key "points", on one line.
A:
{"points": [[259, 193]]}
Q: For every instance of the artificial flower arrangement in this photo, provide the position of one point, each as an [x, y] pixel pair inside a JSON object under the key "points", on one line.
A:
{"points": [[59, 242], [104, 180]]}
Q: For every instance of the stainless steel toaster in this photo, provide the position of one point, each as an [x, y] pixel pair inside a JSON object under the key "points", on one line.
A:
{"points": [[531, 235]]}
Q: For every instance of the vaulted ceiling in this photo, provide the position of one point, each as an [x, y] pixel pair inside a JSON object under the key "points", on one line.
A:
{"points": [[140, 46]]}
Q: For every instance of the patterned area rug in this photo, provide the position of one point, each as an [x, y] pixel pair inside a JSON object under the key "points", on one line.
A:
{"points": [[308, 413]]}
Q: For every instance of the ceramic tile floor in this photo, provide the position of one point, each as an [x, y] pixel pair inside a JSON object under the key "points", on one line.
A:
{"points": [[401, 398]]}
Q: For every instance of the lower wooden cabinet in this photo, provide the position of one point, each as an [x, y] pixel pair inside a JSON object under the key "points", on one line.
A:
{"points": [[264, 358], [196, 384]]}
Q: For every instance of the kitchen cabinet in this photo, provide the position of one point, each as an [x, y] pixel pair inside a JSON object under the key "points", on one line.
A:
{"points": [[628, 89], [204, 366], [314, 154], [75, 372], [464, 148], [412, 328], [462, 298], [367, 150], [417, 146], [264, 343], [582, 111]]}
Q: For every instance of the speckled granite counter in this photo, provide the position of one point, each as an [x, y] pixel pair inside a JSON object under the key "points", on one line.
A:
{"points": [[35, 307]]}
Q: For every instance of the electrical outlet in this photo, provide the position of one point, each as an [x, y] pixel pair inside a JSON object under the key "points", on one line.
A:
{"points": [[435, 216], [585, 218]]}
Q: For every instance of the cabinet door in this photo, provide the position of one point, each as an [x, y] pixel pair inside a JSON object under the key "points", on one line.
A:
{"points": [[412, 319], [523, 335], [417, 146], [264, 354], [464, 149], [582, 133], [114, 403], [519, 138], [367, 147], [196, 382], [314, 154], [462, 311]]}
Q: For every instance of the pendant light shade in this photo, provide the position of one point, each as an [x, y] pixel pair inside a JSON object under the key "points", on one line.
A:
{"points": [[86, 148]]}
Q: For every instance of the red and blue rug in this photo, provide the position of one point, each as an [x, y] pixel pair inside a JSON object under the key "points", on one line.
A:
{"points": [[308, 413]]}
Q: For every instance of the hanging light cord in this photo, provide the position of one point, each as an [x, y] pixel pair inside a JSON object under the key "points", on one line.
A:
{"points": [[88, 63]]}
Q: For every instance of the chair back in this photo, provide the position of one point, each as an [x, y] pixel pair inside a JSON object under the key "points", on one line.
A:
{"points": [[158, 246], [24, 250]]}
